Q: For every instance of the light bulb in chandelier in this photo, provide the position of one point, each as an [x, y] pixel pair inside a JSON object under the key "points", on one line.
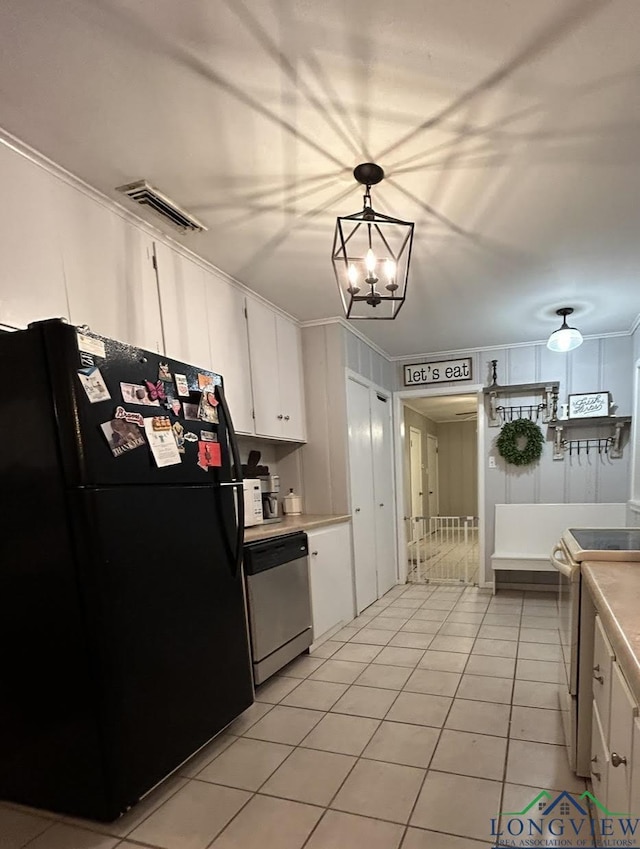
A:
{"points": [[390, 273], [370, 263], [352, 274]]}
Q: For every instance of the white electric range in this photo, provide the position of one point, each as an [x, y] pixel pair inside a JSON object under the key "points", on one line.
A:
{"points": [[575, 546]]}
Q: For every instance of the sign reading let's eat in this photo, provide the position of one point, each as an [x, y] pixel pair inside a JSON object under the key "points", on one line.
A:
{"points": [[418, 374]]}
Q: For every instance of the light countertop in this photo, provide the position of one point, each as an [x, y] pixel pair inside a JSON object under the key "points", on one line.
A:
{"points": [[289, 524], [615, 590]]}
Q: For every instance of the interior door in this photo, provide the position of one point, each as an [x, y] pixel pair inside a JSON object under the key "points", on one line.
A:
{"points": [[432, 475], [362, 509], [417, 494], [382, 456]]}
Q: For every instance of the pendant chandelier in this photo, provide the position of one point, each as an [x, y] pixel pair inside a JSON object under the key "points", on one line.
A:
{"points": [[371, 256]]}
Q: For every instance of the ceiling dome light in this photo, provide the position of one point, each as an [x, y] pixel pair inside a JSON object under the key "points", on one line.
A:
{"points": [[565, 338]]}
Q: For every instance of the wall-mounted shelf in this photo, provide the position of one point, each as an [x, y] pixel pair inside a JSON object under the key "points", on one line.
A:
{"points": [[610, 445], [498, 414]]}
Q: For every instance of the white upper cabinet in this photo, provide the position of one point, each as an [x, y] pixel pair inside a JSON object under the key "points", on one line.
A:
{"points": [[276, 372], [229, 344], [290, 378], [31, 276], [183, 303], [108, 269]]}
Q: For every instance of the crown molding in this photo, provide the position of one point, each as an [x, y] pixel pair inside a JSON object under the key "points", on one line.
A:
{"points": [[41, 161], [319, 322], [481, 348]]}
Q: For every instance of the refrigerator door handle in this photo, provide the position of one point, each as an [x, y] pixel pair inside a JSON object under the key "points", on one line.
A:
{"points": [[235, 451]]}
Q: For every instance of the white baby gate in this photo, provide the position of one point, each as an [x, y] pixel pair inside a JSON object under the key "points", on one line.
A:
{"points": [[443, 549]]}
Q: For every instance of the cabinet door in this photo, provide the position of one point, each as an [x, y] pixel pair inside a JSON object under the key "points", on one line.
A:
{"points": [[634, 800], [603, 657], [263, 351], [623, 713], [31, 275], [109, 273], [229, 343], [184, 307], [599, 767], [290, 378], [331, 577], [382, 457], [362, 509]]}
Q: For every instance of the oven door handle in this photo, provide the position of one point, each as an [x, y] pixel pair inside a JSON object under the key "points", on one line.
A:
{"points": [[566, 569]]}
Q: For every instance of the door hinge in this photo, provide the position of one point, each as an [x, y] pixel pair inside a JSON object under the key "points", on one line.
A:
{"points": [[246, 315], [253, 414], [154, 261]]}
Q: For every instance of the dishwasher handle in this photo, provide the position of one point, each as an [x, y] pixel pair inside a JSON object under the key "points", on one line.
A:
{"points": [[267, 554]]}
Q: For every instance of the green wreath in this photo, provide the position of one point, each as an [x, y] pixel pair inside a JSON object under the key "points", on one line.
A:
{"points": [[507, 442]]}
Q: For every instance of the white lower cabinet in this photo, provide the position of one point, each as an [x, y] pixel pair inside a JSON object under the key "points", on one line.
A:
{"points": [[623, 712], [615, 739], [331, 577]]}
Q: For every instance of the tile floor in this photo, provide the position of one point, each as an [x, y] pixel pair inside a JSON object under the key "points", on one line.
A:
{"points": [[413, 726], [444, 560]]}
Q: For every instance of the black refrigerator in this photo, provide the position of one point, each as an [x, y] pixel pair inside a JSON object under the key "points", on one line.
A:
{"points": [[123, 633]]}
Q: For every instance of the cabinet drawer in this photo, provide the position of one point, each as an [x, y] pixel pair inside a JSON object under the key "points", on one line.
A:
{"points": [[603, 657], [622, 716]]}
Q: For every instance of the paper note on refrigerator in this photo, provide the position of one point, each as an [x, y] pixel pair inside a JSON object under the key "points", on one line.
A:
{"points": [[162, 443]]}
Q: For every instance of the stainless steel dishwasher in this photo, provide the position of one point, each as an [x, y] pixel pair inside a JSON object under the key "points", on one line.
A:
{"points": [[277, 576]]}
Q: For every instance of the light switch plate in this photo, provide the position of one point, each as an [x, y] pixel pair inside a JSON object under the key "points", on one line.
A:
{"points": [[492, 462]]}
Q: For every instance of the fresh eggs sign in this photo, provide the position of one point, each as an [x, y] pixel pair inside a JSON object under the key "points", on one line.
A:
{"points": [[419, 374]]}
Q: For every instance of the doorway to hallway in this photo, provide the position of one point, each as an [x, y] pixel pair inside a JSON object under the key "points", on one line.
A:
{"points": [[441, 488]]}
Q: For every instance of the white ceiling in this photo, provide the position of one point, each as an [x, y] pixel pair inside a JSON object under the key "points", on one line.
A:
{"points": [[509, 131], [446, 408]]}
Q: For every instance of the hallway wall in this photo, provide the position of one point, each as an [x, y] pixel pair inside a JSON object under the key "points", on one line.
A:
{"points": [[426, 427], [458, 468]]}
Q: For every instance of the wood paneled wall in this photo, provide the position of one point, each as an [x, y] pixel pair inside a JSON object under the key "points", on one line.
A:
{"points": [[458, 468], [599, 364]]}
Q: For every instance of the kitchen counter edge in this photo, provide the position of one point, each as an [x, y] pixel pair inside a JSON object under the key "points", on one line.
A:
{"points": [[290, 524], [615, 590]]}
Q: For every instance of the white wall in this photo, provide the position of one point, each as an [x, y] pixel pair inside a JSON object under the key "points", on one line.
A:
{"points": [[363, 359], [599, 364]]}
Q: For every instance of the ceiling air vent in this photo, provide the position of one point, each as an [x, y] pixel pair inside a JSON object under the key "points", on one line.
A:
{"points": [[147, 195]]}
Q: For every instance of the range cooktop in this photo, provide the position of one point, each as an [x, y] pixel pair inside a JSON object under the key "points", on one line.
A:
{"points": [[605, 543]]}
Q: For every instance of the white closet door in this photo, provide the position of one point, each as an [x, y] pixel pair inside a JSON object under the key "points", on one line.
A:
{"points": [[362, 509], [382, 461]]}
